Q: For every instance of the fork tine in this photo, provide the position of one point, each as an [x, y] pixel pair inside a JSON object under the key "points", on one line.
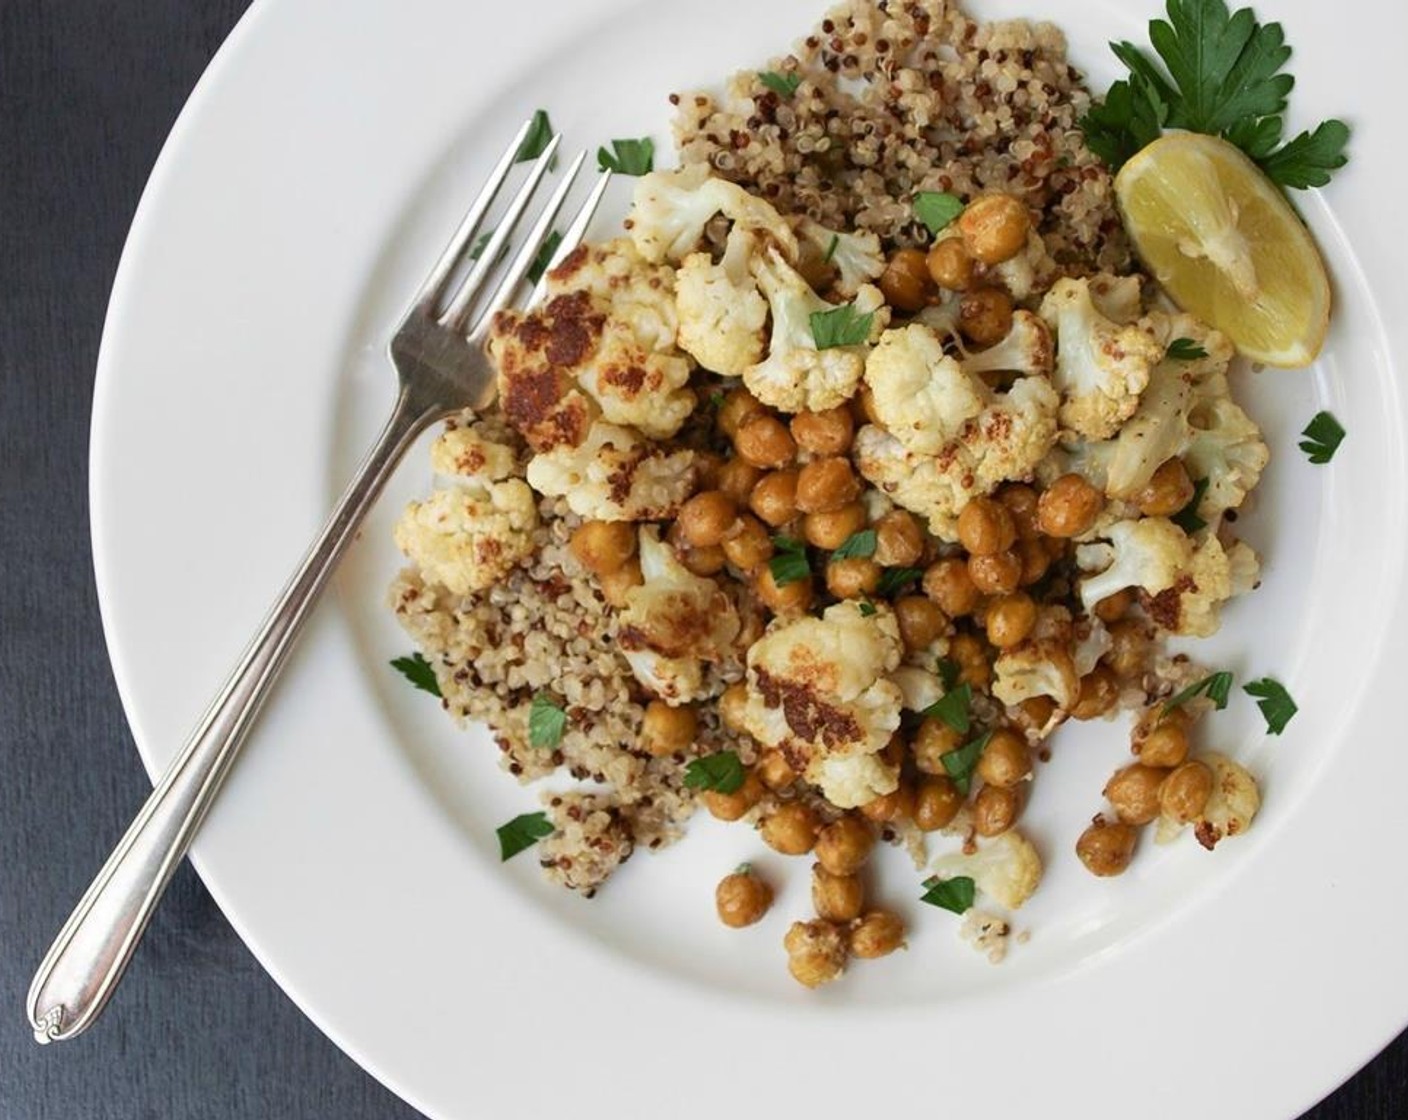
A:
{"points": [[529, 251], [574, 235], [457, 312], [431, 291]]}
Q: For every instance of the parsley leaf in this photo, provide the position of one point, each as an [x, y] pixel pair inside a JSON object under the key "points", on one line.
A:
{"points": [[1323, 436], [1274, 701], [1216, 688], [628, 157], [841, 326], [831, 248], [538, 138], [789, 562], [722, 772], [1308, 160], [867, 608], [544, 257], [784, 85], [961, 762], [522, 832], [1187, 518], [949, 672], [955, 895], [954, 708], [419, 672], [858, 546], [546, 722], [1184, 350], [1131, 116], [896, 579], [936, 209]]}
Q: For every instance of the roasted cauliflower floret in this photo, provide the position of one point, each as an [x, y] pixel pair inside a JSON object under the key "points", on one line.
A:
{"points": [[856, 257], [1226, 449], [615, 475], [674, 623], [921, 395], [1040, 667], [818, 690], [1118, 298], [1101, 367], [796, 376], [603, 343], [462, 453], [1151, 554], [1006, 868], [1029, 272], [1191, 605], [723, 316], [469, 537], [671, 208], [1026, 349], [1230, 809]]}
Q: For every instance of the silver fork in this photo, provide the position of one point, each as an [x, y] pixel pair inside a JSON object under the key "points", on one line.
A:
{"points": [[438, 352]]}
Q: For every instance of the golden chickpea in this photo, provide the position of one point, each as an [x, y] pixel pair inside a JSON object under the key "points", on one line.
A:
{"points": [[1036, 560], [949, 264], [732, 703], [603, 546], [614, 585], [1112, 608], [1165, 744], [1129, 648], [974, 667], [951, 587], [921, 622], [995, 810], [1021, 502], [737, 479], [878, 934], [1106, 847], [739, 405], [826, 484], [764, 441], [704, 561], [936, 803], [985, 315], [791, 829], [843, 846], [788, 598], [824, 433], [994, 227], [986, 527], [1134, 793], [1034, 713], [742, 898], [774, 498], [748, 545], [1005, 761], [837, 898], [1185, 792], [831, 529], [899, 540], [708, 464], [774, 771], [905, 282], [932, 741], [897, 805], [852, 577], [998, 574], [1098, 692], [735, 805], [706, 517], [1010, 620], [1068, 507], [1167, 492], [816, 952], [665, 730]]}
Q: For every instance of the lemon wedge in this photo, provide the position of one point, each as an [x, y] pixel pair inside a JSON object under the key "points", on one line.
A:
{"points": [[1226, 246]]}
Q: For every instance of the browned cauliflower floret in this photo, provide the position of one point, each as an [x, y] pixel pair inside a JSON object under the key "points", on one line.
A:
{"points": [[469, 537], [615, 475]]}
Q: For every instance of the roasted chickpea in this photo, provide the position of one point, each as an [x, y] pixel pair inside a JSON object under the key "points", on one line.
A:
{"points": [[732, 703], [824, 433], [1036, 560], [852, 577], [788, 598], [665, 730], [816, 952], [994, 227], [1165, 742], [995, 810], [1134, 793], [1167, 492], [1106, 847], [843, 846], [899, 540], [733, 806], [1184, 794], [1098, 692], [1034, 713], [764, 441], [986, 527], [704, 561], [998, 574], [985, 315], [774, 771], [1005, 761], [742, 898], [706, 517], [951, 587], [603, 546], [932, 741], [737, 479], [1129, 648], [708, 464], [791, 829], [974, 667], [830, 530], [878, 934], [837, 898], [1112, 608], [827, 484], [863, 406], [774, 498], [1068, 507], [921, 622], [950, 265], [905, 282], [1021, 502], [1010, 619], [897, 805], [739, 405], [936, 803], [748, 545], [615, 584]]}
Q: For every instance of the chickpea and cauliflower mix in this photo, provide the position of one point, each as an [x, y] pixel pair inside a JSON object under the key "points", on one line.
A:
{"points": [[860, 463]]}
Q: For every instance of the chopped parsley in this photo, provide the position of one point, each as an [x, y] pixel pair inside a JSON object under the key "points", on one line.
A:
{"points": [[628, 157], [1323, 436], [858, 546], [1184, 350], [961, 762], [831, 248], [896, 579], [784, 85], [789, 563], [954, 708], [955, 895], [419, 672], [722, 772], [1275, 703], [1187, 518], [544, 257], [949, 672], [867, 608], [1216, 687], [522, 832], [546, 722], [841, 326], [936, 209], [538, 138]]}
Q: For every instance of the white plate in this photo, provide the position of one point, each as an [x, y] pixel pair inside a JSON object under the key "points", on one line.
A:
{"points": [[315, 172]]}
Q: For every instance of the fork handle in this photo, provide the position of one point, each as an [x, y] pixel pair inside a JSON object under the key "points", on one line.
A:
{"points": [[87, 959]]}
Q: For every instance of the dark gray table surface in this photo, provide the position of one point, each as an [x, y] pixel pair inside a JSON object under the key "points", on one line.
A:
{"points": [[88, 91]]}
